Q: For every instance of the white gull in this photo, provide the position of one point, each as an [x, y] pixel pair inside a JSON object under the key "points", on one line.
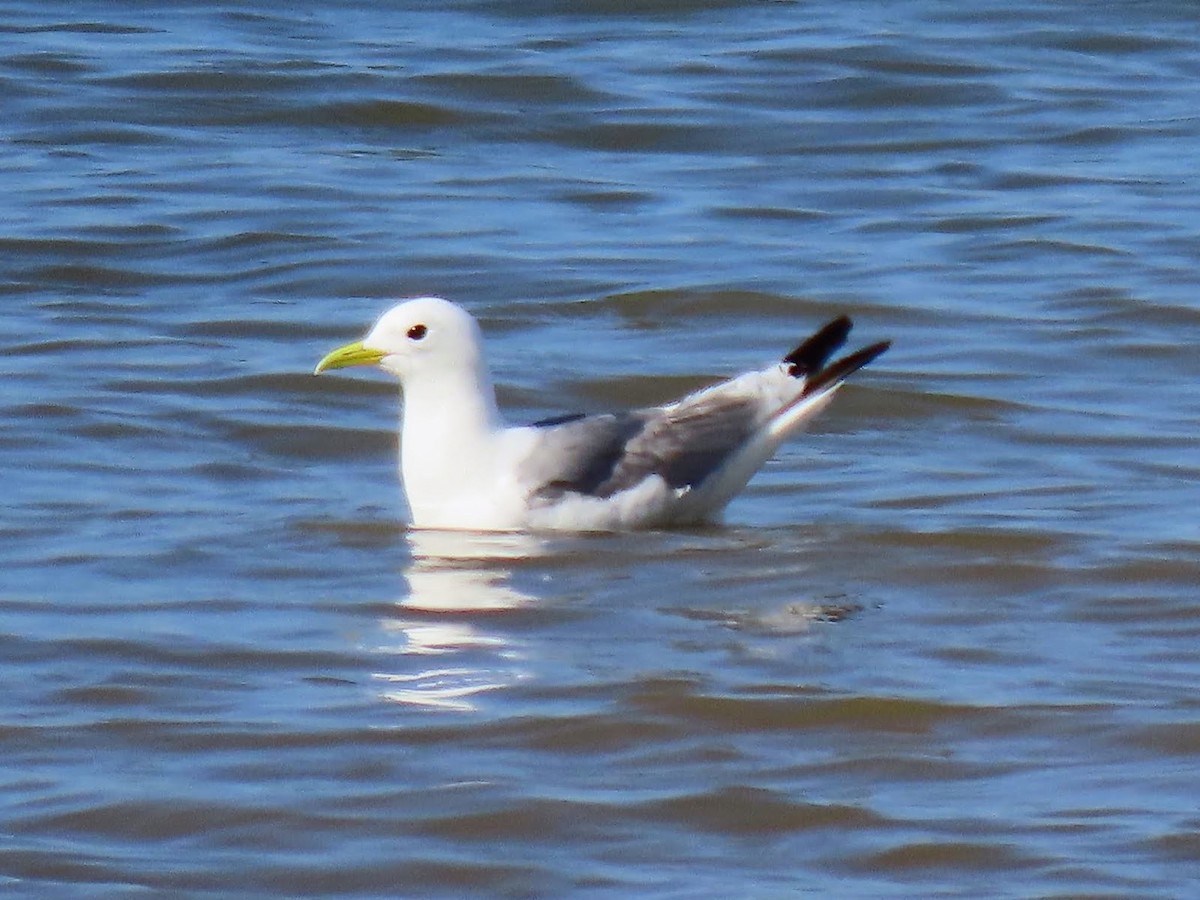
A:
{"points": [[677, 464]]}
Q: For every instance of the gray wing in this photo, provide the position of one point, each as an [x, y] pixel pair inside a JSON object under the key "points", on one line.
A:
{"points": [[603, 455], [684, 443]]}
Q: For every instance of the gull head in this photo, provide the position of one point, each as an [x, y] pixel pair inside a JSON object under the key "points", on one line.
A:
{"points": [[427, 336]]}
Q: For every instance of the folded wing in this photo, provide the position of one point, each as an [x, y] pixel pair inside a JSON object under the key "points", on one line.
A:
{"points": [[706, 445]]}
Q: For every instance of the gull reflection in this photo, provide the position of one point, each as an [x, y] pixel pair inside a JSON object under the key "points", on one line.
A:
{"points": [[467, 571], [459, 582]]}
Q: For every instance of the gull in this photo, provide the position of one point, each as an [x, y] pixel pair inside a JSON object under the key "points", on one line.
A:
{"points": [[678, 464]]}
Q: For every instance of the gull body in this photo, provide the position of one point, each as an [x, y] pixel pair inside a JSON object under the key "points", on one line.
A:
{"points": [[463, 467]]}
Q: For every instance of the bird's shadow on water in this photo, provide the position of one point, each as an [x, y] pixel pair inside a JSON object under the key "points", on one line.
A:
{"points": [[477, 605]]}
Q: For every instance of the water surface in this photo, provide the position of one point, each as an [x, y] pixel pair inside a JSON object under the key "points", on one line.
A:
{"points": [[946, 644]]}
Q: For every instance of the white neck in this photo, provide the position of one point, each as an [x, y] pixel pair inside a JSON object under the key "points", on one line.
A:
{"points": [[447, 438]]}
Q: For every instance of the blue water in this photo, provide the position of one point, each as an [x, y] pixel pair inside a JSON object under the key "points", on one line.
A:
{"points": [[946, 644]]}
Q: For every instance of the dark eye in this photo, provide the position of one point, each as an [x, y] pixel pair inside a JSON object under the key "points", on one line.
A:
{"points": [[417, 332]]}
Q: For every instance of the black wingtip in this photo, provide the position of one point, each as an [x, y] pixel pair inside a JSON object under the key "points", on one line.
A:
{"points": [[811, 355], [838, 371]]}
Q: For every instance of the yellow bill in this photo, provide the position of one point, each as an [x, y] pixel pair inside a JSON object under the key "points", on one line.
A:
{"points": [[351, 355]]}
